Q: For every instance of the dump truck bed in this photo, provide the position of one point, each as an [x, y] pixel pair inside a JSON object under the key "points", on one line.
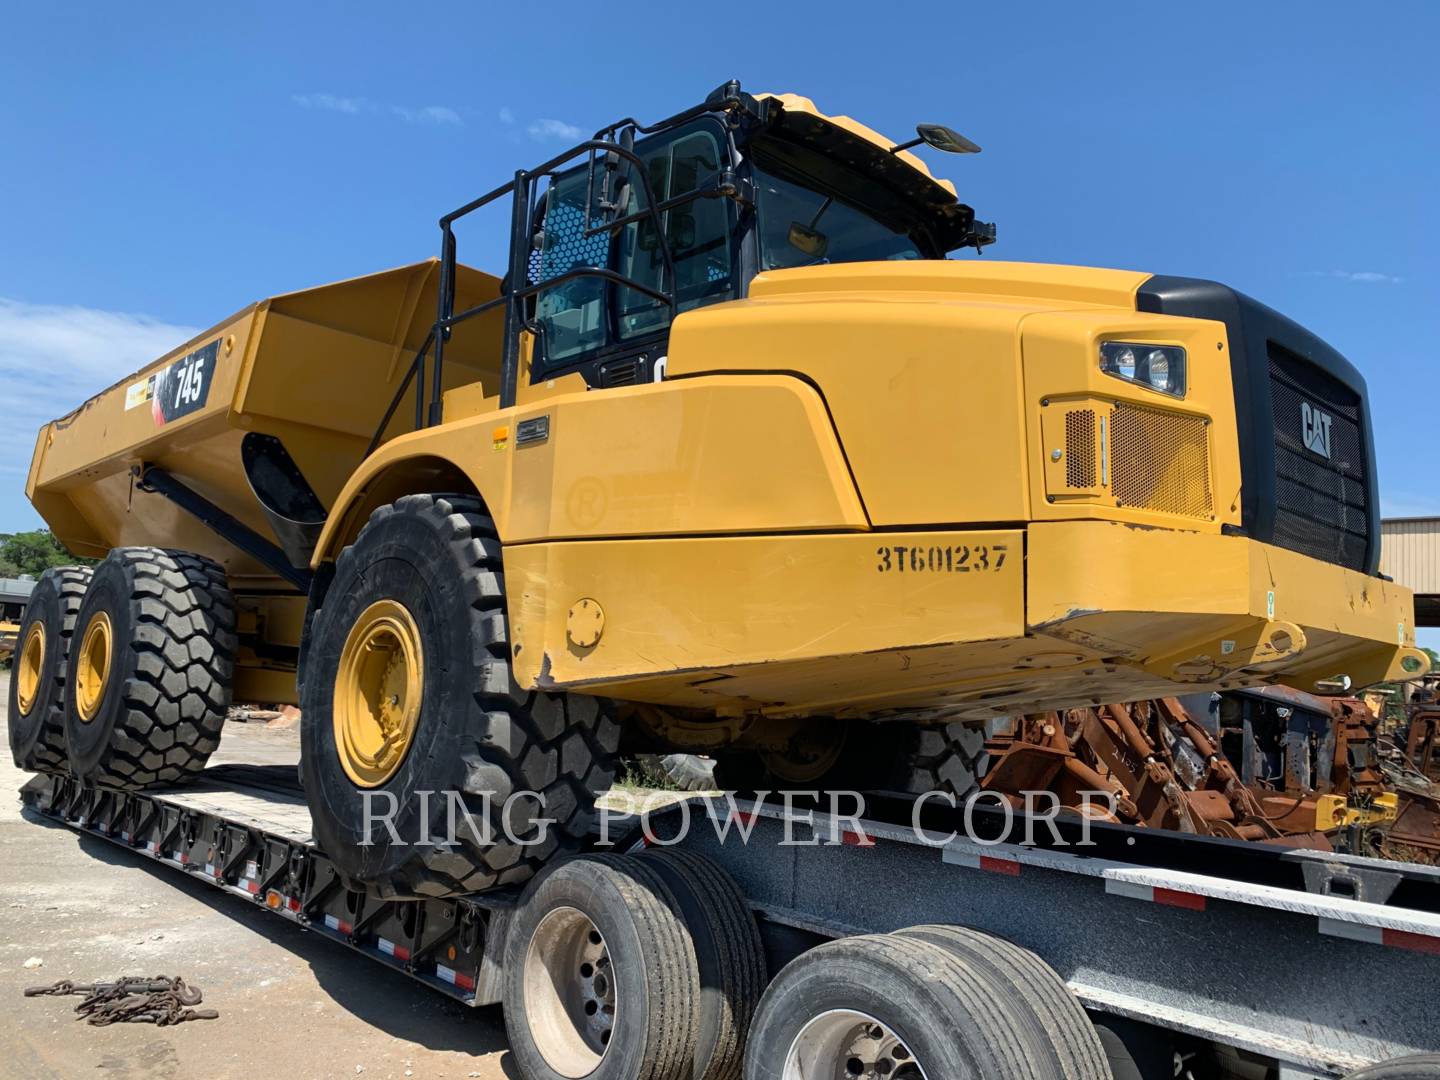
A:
{"points": [[316, 369]]}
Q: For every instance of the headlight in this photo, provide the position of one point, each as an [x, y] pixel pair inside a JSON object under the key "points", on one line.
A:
{"points": [[1160, 367]]}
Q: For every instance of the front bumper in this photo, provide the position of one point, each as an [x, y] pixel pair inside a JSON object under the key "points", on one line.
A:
{"points": [[1225, 611]]}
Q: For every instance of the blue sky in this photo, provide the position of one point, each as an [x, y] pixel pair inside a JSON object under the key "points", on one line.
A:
{"points": [[161, 166]]}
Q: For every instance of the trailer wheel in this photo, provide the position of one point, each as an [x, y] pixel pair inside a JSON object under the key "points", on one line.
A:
{"points": [[151, 660], [412, 729], [1032, 988], [37, 676], [892, 1007], [729, 954], [1416, 1067], [600, 975]]}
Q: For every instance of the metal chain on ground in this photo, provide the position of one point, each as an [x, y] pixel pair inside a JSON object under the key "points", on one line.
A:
{"points": [[132, 999]]}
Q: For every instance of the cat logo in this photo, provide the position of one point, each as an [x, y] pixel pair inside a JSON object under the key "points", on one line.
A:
{"points": [[1315, 429]]}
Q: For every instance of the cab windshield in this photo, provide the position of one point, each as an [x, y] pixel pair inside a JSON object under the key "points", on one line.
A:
{"points": [[801, 226]]}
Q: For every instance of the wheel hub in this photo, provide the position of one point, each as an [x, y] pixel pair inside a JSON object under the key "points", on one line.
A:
{"points": [[93, 667], [378, 687], [848, 1045], [570, 998], [27, 671]]}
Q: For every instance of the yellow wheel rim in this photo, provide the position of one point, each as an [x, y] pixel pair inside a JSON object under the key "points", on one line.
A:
{"points": [[377, 693], [27, 672], [92, 667]]}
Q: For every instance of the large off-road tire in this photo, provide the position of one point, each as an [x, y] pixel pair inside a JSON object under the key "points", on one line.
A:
{"points": [[729, 954], [949, 758], [151, 660], [1031, 988], [601, 978], [407, 688], [891, 1006], [37, 675]]}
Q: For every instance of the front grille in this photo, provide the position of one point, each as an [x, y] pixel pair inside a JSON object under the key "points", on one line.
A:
{"points": [[1160, 461], [1322, 492]]}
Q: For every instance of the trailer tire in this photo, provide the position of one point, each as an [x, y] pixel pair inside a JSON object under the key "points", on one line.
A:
{"points": [[1416, 1067], [592, 928], [423, 580], [1030, 987], [37, 676], [729, 954], [942, 1010], [151, 661]]}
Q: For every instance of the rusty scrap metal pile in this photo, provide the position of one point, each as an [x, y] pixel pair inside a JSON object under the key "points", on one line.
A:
{"points": [[1271, 766]]}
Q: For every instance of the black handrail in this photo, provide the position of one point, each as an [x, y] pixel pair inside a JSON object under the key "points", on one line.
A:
{"points": [[727, 98]]}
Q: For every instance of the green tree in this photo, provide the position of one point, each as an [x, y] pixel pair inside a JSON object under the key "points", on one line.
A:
{"points": [[33, 553]]}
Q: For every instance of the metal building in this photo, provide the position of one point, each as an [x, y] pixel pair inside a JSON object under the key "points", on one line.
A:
{"points": [[14, 595], [1410, 553]]}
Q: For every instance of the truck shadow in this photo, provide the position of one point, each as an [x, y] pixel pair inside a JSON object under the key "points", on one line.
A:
{"points": [[380, 997]]}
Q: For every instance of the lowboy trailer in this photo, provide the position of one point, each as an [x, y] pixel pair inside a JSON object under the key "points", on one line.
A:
{"points": [[1260, 960]]}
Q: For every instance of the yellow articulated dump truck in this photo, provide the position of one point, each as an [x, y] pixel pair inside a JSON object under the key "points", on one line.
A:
{"points": [[729, 458]]}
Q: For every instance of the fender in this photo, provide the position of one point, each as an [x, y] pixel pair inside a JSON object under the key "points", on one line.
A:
{"points": [[708, 455]]}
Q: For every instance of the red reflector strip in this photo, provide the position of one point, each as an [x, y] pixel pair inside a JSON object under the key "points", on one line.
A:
{"points": [[181, 857], [1155, 894], [1405, 939], [856, 839], [1379, 935], [389, 948], [152, 847], [1176, 898], [999, 866], [252, 886], [292, 903], [338, 924], [455, 978]]}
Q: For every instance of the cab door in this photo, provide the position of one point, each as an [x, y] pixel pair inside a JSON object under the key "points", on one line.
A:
{"points": [[611, 334]]}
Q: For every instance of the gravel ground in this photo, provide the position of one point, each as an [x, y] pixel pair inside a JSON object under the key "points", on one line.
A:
{"points": [[291, 1004]]}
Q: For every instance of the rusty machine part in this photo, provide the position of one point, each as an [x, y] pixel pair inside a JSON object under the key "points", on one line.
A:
{"points": [[1422, 744], [1158, 763]]}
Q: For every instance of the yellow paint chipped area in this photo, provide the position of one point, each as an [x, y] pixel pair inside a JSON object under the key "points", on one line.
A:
{"points": [[796, 103]]}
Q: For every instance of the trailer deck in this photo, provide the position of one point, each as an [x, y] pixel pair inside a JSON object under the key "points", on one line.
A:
{"points": [[1309, 960]]}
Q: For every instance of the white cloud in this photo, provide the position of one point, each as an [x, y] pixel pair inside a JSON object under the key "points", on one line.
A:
{"points": [[553, 129], [53, 358], [435, 115], [329, 102], [1367, 277], [506, 114], [430, 114]]}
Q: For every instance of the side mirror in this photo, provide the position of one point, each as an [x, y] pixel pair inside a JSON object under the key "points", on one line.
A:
{"points": [[948, 139], [941, 138]]}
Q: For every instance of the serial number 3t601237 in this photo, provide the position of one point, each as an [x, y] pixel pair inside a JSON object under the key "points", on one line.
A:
{"points": [[940, 558]]}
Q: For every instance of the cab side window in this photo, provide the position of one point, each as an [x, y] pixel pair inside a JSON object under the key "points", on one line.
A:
{"points": [[586, 315]]}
